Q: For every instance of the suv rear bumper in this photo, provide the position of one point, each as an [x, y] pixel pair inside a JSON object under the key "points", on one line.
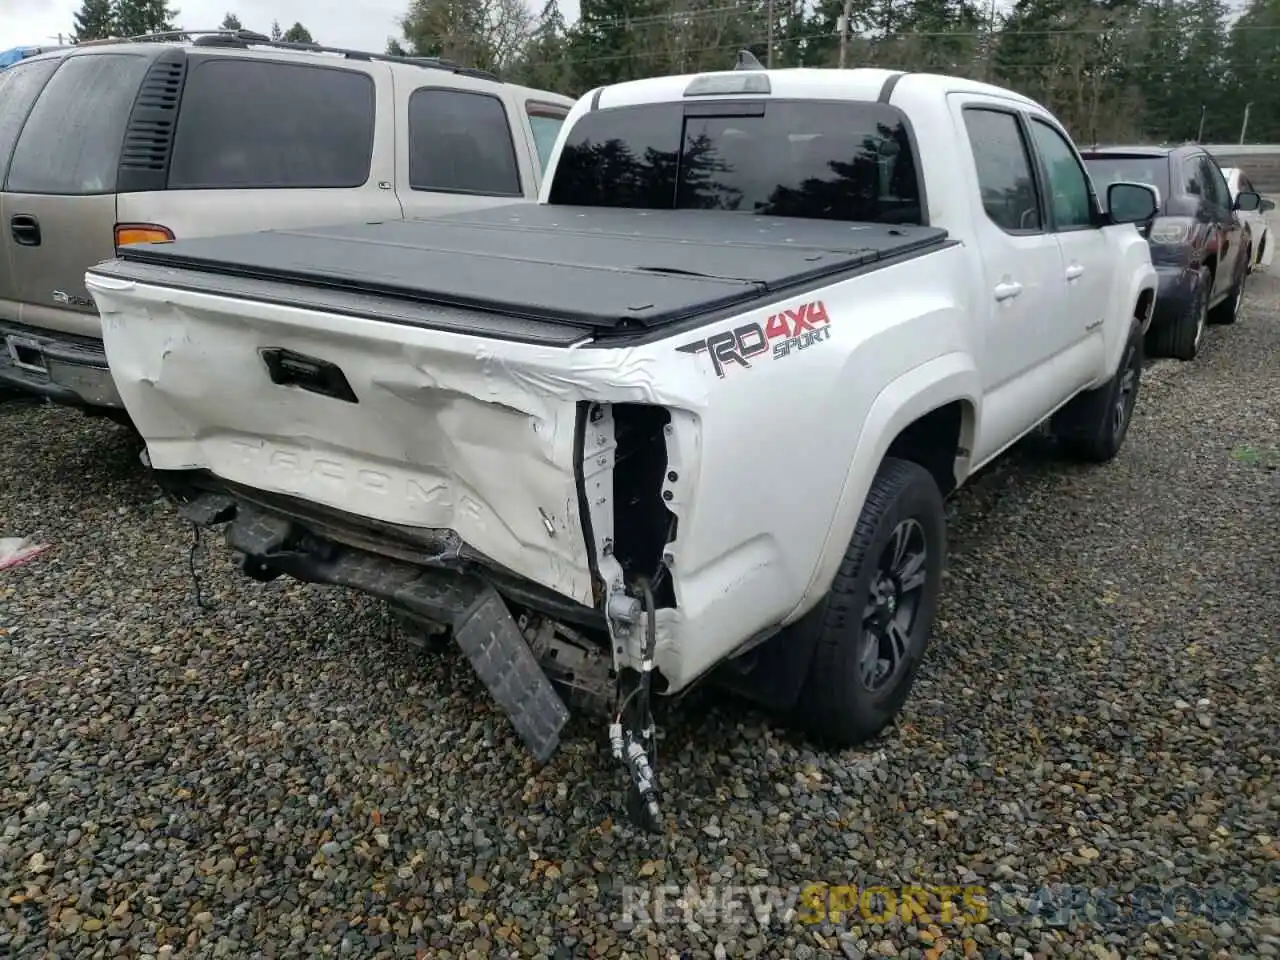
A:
{"points": [[64, 368]]}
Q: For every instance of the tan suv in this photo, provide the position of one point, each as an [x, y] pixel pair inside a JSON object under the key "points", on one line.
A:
{"points": [[188, 135]]}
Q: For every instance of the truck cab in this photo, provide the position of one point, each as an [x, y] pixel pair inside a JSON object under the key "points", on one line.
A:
{"points": [[1056, 279]]}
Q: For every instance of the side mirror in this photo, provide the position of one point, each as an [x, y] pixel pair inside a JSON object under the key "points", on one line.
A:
{"points": [[1132, 202], [1267, 205], [1248, 201]]}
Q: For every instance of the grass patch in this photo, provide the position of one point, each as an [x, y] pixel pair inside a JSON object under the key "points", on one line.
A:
{"points": [[1266, 457]]}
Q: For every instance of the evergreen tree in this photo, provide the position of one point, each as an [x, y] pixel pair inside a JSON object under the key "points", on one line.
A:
{"points": [[94, 21], [231, 22], [617, 40], [1112, 70], [137, 17], [1253, 57], [298, 34], [544, 62]]}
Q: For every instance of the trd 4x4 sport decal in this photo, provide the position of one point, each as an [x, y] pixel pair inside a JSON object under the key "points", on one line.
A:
{"points": [[785, 331]]}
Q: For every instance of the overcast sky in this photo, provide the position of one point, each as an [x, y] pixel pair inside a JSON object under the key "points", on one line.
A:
{"points": [[341, 23]]}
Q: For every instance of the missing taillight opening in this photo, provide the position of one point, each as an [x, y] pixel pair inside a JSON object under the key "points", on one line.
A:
{"points": [[643, 524]]}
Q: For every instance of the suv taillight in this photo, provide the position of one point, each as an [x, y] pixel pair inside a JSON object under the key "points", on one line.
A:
{"points": [[127, 233]]}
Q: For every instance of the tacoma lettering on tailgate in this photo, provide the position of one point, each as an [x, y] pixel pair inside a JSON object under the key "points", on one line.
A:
{"points": [[299, 471], [785, 331]]}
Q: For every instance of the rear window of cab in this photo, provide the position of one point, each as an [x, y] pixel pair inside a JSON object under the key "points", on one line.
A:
{"points": [[792, 158]]}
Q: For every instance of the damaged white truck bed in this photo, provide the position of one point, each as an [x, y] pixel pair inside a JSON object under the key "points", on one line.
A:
{"points": [[634, 436]]}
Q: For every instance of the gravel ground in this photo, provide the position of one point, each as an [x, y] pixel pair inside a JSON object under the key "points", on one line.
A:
{"points": [[282, 776]]}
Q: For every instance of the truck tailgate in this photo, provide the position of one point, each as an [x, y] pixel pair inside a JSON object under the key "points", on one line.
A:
{"points": [[403, 425]]}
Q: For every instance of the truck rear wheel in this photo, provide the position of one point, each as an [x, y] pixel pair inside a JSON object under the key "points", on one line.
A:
{"points": [[874, 624], [1092, 427]]}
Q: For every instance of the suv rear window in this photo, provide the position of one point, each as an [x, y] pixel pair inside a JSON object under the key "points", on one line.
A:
{"points": [[250, 124], [787, 158], [19, 87], [460, 142], [72, 139], [1106, 170]]}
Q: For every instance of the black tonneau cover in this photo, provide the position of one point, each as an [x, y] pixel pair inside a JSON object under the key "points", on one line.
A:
{"points": [[587, 267]]}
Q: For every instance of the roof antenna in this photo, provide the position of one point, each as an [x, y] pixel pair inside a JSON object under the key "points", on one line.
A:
{"points": [[747, 61]]}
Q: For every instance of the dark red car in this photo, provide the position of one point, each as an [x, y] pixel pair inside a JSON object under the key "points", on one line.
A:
{"points": [[1200, 245]]}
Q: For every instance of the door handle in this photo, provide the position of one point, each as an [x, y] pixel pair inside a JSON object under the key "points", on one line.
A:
{"points": [[25, 229], [1007, 290], [1075, 272]]}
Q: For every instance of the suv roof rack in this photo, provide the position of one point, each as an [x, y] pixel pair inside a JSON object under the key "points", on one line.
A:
{"points": [[250, 38]]}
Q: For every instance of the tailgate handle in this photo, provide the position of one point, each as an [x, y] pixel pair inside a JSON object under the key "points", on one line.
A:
{"points": [[289, 369], [25, 229]]}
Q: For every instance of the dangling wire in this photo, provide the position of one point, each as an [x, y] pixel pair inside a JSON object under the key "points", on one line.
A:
{"points": [[197, 541], [650, 647]]}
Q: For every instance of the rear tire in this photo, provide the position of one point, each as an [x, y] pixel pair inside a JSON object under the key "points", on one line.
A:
{"points": [[874, 624], [1182, 337], [1229, 309], [1093, 426]]}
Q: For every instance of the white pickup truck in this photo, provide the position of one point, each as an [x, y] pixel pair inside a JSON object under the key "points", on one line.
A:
{"points": [[692, 415]]}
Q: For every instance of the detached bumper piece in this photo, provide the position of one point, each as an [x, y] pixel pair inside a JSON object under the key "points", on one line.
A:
{"points": [[481, 622]]}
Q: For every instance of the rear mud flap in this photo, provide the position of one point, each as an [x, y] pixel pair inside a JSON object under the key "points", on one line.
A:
{"points": [[489, 636], [482, 624]]}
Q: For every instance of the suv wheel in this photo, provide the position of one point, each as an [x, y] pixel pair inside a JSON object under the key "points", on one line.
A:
{"points": [[1182, 337], [1092, 427], [874, 624]]}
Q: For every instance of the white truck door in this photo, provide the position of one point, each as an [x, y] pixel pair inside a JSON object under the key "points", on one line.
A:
{"points": [[1022, 279], [1077, 336]]}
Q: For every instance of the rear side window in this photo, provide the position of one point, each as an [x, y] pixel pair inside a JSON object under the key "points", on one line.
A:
{"points": [[545, 122], [1217, 192], [1106, 169], [785, 158], [1068, 182], [460, 142], [1004, 170], [248, 125], [19, 87], [72, 139], [1193, 177]]}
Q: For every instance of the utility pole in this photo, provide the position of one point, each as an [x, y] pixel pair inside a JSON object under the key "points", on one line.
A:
{"points": [[769, 56], [1200, 132], [1245, 125], [844, 32], [990, 45]]}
